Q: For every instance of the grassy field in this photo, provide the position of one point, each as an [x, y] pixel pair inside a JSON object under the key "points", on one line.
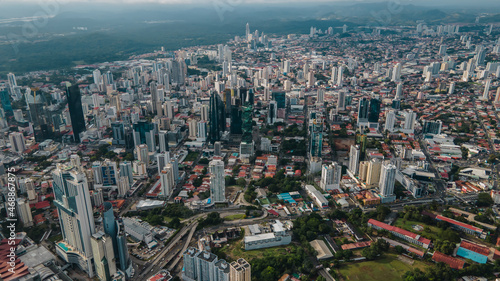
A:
{"points": [[235, 217], [236, 250], [431, 233], [388, 268], [191, 156], [55, 238]]}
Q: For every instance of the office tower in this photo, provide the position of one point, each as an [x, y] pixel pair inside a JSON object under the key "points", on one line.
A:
{"points": [[144, 134], [72, 200], [142, 153], [320, 96], [104, 257], [374, 112], [247, 33], [240, 271], [105, 173], [432, 127], [217, 148], [126, 171], [24, 212], [5, 99], [236, 119], [486, 90], [115, 229], [217, 118], [410, 118], [330, 176], [396, 73], [341, 101], [162, 160], [340, 78], [390, 120], [76, 112], [217, 181], [354, 159], [387, 180], [17, 143], [363, 110], [272, 112], [280, 99], [118, 133], [373, 173], [204, 112], [452, 88], [163, 139], [167, 180], [316, 141], [123, 186], [202, 130], [192, 128], [399, 91]]}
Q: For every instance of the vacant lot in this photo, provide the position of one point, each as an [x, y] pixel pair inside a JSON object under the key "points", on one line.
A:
{"points": [[389, 268]]}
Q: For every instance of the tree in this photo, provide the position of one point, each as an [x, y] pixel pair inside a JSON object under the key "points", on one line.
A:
{"points": [[241, 182], [269, 274], [484, 200]]}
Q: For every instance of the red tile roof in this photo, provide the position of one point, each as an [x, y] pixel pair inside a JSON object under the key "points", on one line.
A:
{"points": [[458, 223], [475, 248], [400, 231], [452, 262]]}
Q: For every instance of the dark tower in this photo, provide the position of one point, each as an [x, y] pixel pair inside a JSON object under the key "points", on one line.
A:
{"points": [[76, 112]]}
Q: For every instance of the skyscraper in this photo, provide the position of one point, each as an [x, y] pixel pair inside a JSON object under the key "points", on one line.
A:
{"points": [[72, 200], [363, 110], [104, 256], [374, 112], [17, 143], [167, 180], [341, 101], [5, 99], [316, 141], [115, 229], [217, 181], [330, 176], [373, 173], [486, 90], [272, 112], [76, 112], [126, 171], [396, 73], [410, 118], [354, 159], [163, 140], [387, 180], [144, 134], [340, 78], [432, 127], [105, 173], [24, 212], [217, 118], [240, 271], [390, 120]]}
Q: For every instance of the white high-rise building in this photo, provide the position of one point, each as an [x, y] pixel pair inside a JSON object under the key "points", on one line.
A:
{"points": [[163, 139], [334, 75], [452, 88], [126, 171], [17, 143], [24, 212], [72, 200], [486, 89], [330, 176], [192, 128], [320, 99], [167, 180], [204, 112], [373, 173], [497, 96], [240, 271], [354, 159], [390, 120], [96, 74], [387, 180], [340, 78], [12, 80], [217, 181], [399, 91], [104, 256], [123, 186], [142, 153], [202, 130], [410, 118], [396, 73]]}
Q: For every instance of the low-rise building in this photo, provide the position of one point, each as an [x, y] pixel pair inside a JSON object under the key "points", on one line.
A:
{"points": [[401, 233]]}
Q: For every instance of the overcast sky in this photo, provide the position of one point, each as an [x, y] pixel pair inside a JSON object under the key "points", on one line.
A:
{"points": [[237, 2]]}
